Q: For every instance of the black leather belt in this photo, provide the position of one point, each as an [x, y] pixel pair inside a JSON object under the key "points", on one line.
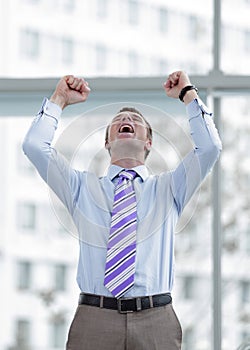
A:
{"points": [[125, 305]]}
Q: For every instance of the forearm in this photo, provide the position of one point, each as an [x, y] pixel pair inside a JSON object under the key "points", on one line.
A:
{"points": [[53, 167], [189, 174], [190, 96], [37, 142], [203, 131]]}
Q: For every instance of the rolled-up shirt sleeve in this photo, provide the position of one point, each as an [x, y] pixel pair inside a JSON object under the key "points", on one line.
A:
{"points": [[192, 170], [52, 166]]}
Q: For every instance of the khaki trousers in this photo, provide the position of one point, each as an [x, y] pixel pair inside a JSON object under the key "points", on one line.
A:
{"points": [[95, 328]]}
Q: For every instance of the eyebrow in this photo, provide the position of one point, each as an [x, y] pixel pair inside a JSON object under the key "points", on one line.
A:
{"points": [[130, 113]]}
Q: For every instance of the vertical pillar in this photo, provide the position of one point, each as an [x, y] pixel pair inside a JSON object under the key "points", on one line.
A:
{"points": [[217, 319], [217, 35], [217, 307]]}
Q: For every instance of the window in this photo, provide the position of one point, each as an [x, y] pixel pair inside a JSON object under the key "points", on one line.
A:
{"points": [[162, 66], [101, 8], [163, 20], [24, 275], [245, 292], [23, 334], [60, 277], [247, 41], [26, 216], [29, 43], [67, 50], [58, 332], [101, 58], [68, 5], [133, 12], [133, 63], [245, 336], [188, 286], [33, 2], [188, 339], [236, 37], [193, 27], [247, 245], [196, 27]]}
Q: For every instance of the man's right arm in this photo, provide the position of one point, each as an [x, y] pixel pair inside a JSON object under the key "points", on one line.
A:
{"points": [[52, 167]]}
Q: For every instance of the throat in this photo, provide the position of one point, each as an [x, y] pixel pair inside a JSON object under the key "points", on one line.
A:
{"points": [[127, 153]]}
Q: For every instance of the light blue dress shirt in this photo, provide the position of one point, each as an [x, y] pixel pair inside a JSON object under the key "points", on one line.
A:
{"points": [[160, 201]]}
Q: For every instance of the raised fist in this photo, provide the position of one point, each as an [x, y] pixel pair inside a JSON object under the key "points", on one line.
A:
{"points": [[175, 83], [70, 90]]}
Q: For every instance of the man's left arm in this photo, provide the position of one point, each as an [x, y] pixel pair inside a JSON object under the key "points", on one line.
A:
{"points": [[189, 174]]}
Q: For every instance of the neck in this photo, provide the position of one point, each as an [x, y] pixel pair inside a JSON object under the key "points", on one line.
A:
{"points": [[127, 154], [127, 163]]}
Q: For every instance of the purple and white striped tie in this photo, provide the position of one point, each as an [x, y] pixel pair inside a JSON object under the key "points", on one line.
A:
{"points": [[121, 251]]}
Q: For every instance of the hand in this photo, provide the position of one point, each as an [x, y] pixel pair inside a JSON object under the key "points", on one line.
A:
{"points": [[70, 90], [175, 83]]}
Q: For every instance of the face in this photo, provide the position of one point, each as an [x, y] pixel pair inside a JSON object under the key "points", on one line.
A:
{"points": [[128, 126]]}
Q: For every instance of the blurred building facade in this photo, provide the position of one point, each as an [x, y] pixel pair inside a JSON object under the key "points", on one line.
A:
{"points": [[38, 256], [107, 37], [118, 38]]}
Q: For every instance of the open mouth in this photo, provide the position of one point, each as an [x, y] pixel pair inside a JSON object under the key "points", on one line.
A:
{"points": [[126, 128]]}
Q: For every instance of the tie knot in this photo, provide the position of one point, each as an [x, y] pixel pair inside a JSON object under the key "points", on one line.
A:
{"points": [[127, 174]]}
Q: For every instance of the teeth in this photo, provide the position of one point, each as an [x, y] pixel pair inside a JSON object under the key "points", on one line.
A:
{"points": [[126, 128]]}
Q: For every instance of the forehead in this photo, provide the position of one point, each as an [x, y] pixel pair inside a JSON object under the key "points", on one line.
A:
{"points": [[133, 115]]}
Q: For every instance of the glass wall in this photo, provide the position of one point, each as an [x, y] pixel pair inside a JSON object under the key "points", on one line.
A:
{"points": [[235, 221], [235, 37]]}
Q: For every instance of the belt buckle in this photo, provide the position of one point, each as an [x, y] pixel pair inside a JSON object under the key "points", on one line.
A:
{"points": [[119, 306], [137, 305]]}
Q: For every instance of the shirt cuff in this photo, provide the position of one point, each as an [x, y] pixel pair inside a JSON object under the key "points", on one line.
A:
{"points": [[195, 107], [50, 109]]}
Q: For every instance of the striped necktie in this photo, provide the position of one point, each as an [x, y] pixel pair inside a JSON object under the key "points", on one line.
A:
{"points": [[121, 251]]}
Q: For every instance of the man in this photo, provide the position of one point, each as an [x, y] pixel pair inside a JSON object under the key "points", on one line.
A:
{"points": [[125, 219]]}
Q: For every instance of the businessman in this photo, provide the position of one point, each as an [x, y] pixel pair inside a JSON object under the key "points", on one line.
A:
{"points": [[125, 219]]}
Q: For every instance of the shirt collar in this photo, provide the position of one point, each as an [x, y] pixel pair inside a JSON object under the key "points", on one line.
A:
{"points": [[114, 170]]}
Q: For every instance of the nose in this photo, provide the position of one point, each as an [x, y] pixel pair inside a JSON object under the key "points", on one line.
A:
{"points": [[127, 116]]}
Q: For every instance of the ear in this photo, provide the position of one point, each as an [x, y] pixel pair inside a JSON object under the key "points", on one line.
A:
{"points": [[148, 144], [107, 145]]}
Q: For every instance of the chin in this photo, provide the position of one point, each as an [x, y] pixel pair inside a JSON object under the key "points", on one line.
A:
{"points": [[127, 135]]}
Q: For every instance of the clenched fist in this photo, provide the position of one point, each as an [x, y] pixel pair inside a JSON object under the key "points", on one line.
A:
{"points": [[70, 90], [175, 83]]}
